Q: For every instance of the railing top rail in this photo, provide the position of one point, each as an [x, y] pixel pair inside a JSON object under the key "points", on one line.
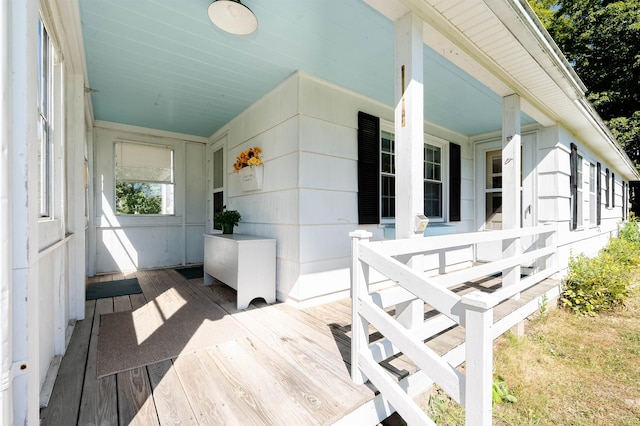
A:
{"points": [[441, 242], [442, 299], [484, 300]]}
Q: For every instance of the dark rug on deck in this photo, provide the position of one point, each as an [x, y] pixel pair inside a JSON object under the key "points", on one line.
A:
{"points": [[113, 289], [191, 272]]}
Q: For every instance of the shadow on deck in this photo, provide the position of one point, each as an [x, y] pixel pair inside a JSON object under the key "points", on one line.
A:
{"points": [[289, 367]]}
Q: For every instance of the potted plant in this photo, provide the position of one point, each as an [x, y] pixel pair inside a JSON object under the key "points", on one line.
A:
{"points": [[227, 219]]}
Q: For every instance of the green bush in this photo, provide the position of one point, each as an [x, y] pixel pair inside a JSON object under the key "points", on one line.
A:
{"points": [[624, 251], [630, 231], [593, 285]]}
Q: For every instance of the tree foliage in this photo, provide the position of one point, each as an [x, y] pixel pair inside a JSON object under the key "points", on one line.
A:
{"points": [[601, 39], [137, 198]]}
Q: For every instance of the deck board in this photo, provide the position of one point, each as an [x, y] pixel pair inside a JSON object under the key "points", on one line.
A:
{"points": [[260, 391], [135, 404], [64, 403], [170, 398], [99, 398], [290, 367]]}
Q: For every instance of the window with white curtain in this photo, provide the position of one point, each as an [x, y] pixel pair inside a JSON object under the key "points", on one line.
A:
{"points": [[144, 178]]}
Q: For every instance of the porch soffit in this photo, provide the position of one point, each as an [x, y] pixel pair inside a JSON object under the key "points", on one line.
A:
{"points": [[504, 47], [163, 65]]}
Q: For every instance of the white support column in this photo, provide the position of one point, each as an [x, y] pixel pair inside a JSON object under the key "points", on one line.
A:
{"points": [[409, 124], [23, 86], [359, 288], [511, 179], [409, 136], [479, 361], [6, 277], [76, 193]]}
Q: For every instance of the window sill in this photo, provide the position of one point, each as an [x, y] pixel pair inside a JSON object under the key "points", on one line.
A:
{"points": [[432, 229]]}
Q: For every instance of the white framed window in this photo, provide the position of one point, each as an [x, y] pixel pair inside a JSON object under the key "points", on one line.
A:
{"points": [[580, 191], [218, 183], [434, 181], [592, 195], [493, 189], [434, 169], [45, 122], [387, 176], [144, 179]]}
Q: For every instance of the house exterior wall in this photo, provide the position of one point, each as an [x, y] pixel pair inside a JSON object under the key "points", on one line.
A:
{"points": [[43, 279], [307, 130], [129, 242], [587, 238]]}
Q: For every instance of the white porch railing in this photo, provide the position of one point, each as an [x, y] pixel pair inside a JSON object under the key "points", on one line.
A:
{"points": [[473, 311]]}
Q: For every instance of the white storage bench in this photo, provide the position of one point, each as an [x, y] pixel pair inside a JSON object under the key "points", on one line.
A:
{"points": [[246, 263]]}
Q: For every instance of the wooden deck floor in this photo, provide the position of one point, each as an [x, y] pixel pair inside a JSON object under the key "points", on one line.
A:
{"points": [[291, 366]]}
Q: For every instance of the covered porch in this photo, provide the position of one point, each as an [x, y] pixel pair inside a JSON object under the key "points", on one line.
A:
{"points": [[290, 367], [470, 100]]}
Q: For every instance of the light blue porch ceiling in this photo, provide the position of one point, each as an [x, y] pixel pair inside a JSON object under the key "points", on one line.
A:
{"points": [[162, 64]]}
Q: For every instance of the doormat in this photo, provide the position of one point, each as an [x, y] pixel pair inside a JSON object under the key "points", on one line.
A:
{"points": [[113, 289], [173, 323], [191, 272]]}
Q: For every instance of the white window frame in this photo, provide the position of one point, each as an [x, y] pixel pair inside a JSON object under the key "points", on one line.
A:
{"points": [[593, 207], [383, 174], [443, 145], [169, 188], [444, 176], [580, 178], [46, 99], [51, 174]]}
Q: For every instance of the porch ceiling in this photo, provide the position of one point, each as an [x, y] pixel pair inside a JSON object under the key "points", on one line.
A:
{"points": [[162, 64]]}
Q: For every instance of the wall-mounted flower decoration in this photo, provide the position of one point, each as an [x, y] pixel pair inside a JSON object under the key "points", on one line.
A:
{"points": [[250, 157]]}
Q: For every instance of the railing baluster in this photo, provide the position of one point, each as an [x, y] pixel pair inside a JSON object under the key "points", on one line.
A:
{"points": [[473, 311], [411, 313], [359, 288]]}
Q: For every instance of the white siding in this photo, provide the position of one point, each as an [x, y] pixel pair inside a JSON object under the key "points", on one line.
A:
{"points": [[307, 130], [555, 195], [128, 242]]}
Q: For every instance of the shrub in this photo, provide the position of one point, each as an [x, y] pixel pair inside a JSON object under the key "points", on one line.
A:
{"points": [[597, 284], [624, 251], [630, 231]]}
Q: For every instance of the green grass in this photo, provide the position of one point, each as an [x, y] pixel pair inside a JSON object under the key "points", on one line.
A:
{"points": [[566, 370]]}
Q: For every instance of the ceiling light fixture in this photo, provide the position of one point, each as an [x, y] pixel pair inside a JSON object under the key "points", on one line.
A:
{"points": [[233, 17]]}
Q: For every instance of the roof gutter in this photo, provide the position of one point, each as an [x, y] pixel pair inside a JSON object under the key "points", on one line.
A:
{"points": [[530, 32], [537, 40]]}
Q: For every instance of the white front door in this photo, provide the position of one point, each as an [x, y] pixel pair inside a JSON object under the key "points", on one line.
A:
{"points": [[489, 190]]}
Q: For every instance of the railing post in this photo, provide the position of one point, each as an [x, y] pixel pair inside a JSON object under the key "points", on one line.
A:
{"points": [[479, 360], [359, 288]]}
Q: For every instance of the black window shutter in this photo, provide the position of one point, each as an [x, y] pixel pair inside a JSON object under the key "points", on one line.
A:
{"points": [[455, 182], [598, 193], [574, 186], [613, 190], [606, 190], [368, 169]]}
